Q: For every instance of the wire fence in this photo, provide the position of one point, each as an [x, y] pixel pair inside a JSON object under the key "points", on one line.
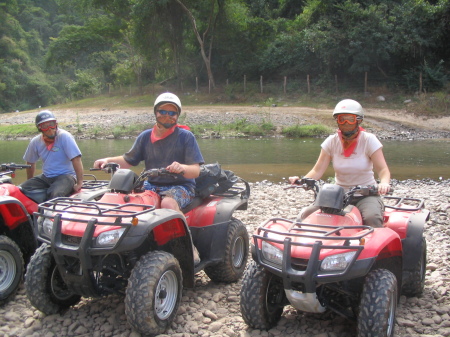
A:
{"points": [[280, 85]]}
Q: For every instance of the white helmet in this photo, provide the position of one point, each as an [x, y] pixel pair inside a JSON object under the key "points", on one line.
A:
{"points": [[349, 106], [167, 97]]}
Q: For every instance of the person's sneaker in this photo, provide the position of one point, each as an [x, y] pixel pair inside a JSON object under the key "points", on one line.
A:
{"points": [[196, 256]]}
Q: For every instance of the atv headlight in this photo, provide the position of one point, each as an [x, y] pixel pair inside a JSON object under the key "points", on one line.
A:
{"points": [[110, 238], [45, 224], [337, 262], [272, 253]]}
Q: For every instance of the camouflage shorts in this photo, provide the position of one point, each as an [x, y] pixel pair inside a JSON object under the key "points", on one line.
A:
{"points": [[182, 194]]}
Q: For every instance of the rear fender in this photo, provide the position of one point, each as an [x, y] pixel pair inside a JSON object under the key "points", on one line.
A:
{"points": [[91, 195], [215, 210], [8, 190], [412, 244], [13, 212], [170, 233]]}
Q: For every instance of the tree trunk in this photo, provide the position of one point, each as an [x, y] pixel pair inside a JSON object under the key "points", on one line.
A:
{"points": [[201, 41]]}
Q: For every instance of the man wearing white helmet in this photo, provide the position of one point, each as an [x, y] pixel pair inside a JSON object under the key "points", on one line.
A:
{"points": [[62, 169], [165, 145], [355, 155]]}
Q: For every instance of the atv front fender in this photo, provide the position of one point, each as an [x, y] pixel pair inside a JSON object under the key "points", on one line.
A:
{"points": [[170, 232], [382, 243]]}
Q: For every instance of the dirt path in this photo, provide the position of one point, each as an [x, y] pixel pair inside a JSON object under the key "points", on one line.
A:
{"points": [[100, 122]]}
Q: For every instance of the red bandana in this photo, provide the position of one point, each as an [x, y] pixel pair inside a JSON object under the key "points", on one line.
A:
{"points": [[49, 142], [349, 145], [154, 138]]}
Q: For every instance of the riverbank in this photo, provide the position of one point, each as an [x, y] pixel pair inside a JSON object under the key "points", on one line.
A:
{"points": [[212, 309], [118, 123]]}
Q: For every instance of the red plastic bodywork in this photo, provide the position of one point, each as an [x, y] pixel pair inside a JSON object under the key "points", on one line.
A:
{"points": [[382, 242], [77, 228], [12, 213], [204, 214]]}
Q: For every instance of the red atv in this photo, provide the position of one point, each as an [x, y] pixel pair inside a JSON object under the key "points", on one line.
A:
{"points": [[331, 261], [17, 239], [126, 244]]}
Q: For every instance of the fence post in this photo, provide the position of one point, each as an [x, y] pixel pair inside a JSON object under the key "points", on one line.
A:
{"points": [[309, 86], [227, 82], [285, 82], [196, 84], [245, 83], [336, 83], [209, 86], [365, 82], [420, 83], [261, 83]]}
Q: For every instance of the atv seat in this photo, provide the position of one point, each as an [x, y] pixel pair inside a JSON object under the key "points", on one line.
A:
{"points": [[37, 195], [194, 203]]}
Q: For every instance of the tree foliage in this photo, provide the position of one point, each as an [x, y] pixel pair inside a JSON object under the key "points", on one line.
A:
{"points": [[54, 50]]}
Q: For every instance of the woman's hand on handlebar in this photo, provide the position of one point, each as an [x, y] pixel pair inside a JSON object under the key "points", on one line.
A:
{"points": [[295, 180], [383, 188]]}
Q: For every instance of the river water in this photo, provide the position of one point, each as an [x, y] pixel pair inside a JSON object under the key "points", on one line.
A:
{"points": [[268, 159]]}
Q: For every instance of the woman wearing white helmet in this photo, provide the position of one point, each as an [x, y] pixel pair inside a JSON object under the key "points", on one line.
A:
{"points": [[165, 145], [355, 155]]}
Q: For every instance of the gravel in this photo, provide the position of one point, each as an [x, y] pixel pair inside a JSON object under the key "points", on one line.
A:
{"points": [[212, 309]]}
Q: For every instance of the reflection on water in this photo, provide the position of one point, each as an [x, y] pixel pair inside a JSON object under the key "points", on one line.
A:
{"points": [[267, 159]]}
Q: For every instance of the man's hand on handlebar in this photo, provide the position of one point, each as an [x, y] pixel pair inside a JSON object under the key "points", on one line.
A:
{"points": [[100, 163], [176, 167]]}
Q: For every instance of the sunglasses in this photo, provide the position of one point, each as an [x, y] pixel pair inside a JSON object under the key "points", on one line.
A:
{"points": [[349, 119], [166, 112], [48, 125]]}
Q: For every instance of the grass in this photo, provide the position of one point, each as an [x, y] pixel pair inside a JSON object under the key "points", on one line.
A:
{"points": [[432, 105], [238, 128], [23, 130], [301, 131]]}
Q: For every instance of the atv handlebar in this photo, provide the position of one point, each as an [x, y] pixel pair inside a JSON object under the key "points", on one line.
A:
{"points": [[13, 167], [307, 184], [369, 190], [10, 168], [312, 184], [108, 168]]}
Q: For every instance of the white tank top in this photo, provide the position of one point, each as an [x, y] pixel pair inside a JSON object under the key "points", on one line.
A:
{"points": [[357, 169]]}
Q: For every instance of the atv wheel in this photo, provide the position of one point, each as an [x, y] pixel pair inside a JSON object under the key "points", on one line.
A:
{"points": [[11, 268], [378, 304], [416, 282], [44, 285], [232, 267], [262, 297], [153, 293]]}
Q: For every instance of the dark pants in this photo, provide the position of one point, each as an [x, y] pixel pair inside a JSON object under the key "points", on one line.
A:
{"points": [[371, 208], [60, 186]]}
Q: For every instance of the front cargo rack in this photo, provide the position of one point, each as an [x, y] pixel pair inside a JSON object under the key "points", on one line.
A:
{"points": [[70, 209]]}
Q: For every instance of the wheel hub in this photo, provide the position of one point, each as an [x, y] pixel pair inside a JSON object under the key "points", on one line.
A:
{"points": [[7, 270]]}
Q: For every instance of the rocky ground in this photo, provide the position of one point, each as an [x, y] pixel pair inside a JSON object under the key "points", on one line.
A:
{"points": [[212, 309]]}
